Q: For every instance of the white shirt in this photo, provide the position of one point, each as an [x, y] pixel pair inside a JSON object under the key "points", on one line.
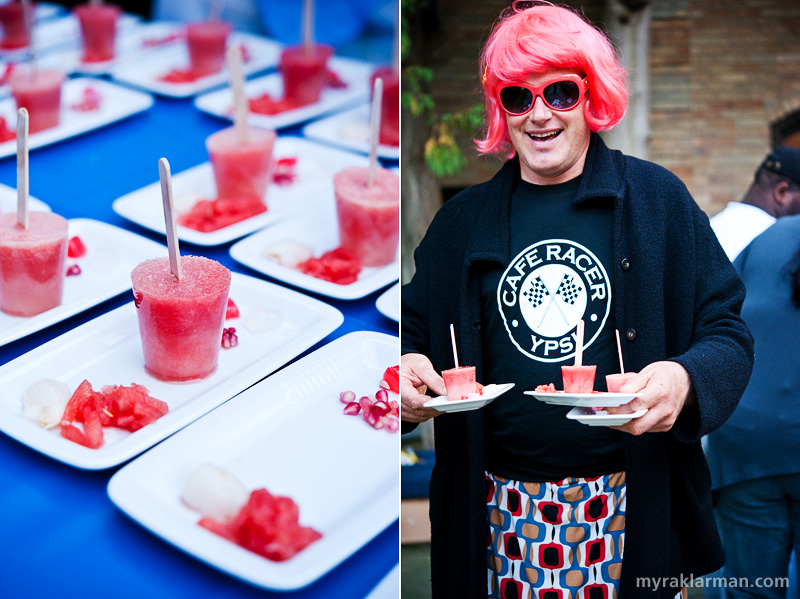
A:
{"points": [[738, 224]]}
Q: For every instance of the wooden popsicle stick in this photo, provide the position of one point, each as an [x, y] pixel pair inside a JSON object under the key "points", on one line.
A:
{"points": [[22, 167], [374, 129], [453, 339], [169, 219], [619, 352], [579, 344], [215, 11], [233, 58], [27, 13], [308, 25]]}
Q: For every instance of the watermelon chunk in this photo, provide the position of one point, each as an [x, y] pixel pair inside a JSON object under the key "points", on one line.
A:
{"points": [[392, 377]]}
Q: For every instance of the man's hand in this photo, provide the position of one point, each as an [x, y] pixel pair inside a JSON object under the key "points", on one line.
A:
{"points": [[661, 387], [417, 375]]}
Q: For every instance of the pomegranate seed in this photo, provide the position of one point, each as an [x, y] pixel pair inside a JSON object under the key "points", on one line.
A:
{"points": [[370, 416], [229, 338], [347, 397], [382, 395], [391, 424], [394, 408], [352, 408], [384, 384], [381, 408], [366, 402], [73, 269]]}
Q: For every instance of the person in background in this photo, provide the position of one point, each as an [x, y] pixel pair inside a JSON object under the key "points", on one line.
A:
{"points": [[775, 192], [755, 456], [523, 501]]}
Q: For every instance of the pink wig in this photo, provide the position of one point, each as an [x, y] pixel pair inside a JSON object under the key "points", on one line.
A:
{"points": [[530, 39]]}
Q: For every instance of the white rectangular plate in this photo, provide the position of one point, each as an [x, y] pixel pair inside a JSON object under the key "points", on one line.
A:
{"points": [[603, 418], [319, 230], [144, 73], [388, 303], [286, 434], [349, 130], [354, 73], [116, 103], [473, 401], [315, 168], [111, 254], [107, 351], [584, 400]]}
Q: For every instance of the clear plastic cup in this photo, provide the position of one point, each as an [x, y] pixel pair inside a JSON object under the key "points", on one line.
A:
{"points": [[390, 106], [12, 20], [180, 323], [369, 217], [241, 169], [32, 263], [40, 92], [305, 72], [578, 379], [460, 382], [206, 42], [98, 30], [615, 381]]}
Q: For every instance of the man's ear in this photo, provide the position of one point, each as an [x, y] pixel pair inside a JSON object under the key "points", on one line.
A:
{"points": [[781, 197]]}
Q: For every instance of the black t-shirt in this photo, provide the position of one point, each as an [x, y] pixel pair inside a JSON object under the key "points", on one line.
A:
{"points": [[560, 273]]}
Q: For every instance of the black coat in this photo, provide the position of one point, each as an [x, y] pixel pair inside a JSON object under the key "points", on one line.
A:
{"points": [[677, 297]]}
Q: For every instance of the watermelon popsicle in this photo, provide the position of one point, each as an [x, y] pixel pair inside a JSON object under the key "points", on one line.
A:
{"points": [[38, 90], [390, 105], [578, 378], [12, 19], [615, 381], [241, 168], [98, 30], [32, 263], [206, 42], [181, 322], [368, 216], [460, 382], [304, 70]]}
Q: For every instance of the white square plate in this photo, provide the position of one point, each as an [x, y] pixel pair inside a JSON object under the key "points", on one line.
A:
{"points": [[286, 434], [111, 255], [319, 230], [388, 303], [584, 400], [473, 401], [108, 351], [349, 130], [354, 73], [603, 418], [315, 168], [145, 71], [116, 103]]}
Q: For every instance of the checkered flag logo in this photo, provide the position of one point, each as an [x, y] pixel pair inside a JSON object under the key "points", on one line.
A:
{"points": [[568, 289], [536, 293]]}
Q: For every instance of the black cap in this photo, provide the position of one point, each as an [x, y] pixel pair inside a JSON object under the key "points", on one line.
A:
{"points": [[784, 161]]}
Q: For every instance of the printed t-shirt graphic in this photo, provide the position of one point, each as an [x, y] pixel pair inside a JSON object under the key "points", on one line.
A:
{"points": [[546, 289]]}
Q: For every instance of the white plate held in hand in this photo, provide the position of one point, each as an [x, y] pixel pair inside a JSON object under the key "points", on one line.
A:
{"points": [[603, 418], [473, 402]]}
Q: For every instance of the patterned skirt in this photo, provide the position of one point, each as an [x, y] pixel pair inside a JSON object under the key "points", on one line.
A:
{"points": [[559, 540]]}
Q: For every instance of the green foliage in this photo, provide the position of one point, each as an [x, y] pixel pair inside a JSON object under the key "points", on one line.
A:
{"points": [[443, 156]]}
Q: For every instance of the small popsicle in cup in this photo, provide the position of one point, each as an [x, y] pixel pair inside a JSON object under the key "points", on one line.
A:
{"points": [[39, 91], [12, 20], [33, 247], [180, 304], [578, 378], [240, 155], [390, 105], [98, 30], [459, 381], [305, 67], [206, 41], [615, 381]]}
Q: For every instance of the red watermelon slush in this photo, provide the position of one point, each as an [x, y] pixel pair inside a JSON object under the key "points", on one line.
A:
{"points": [[40, 92], [98, 29], [390, 106], [241, 169], [305, 72], [460, 382], [180, 323], [578, 379], [615, 381], [369, 217], [12, 19], [32, 263], [206, 43]]}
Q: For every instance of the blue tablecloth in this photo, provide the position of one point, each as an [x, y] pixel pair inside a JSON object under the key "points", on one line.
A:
{"points": [[60, 535]]}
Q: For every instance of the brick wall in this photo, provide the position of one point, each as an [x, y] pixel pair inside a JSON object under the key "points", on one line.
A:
{"points": [[721, 73]]}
